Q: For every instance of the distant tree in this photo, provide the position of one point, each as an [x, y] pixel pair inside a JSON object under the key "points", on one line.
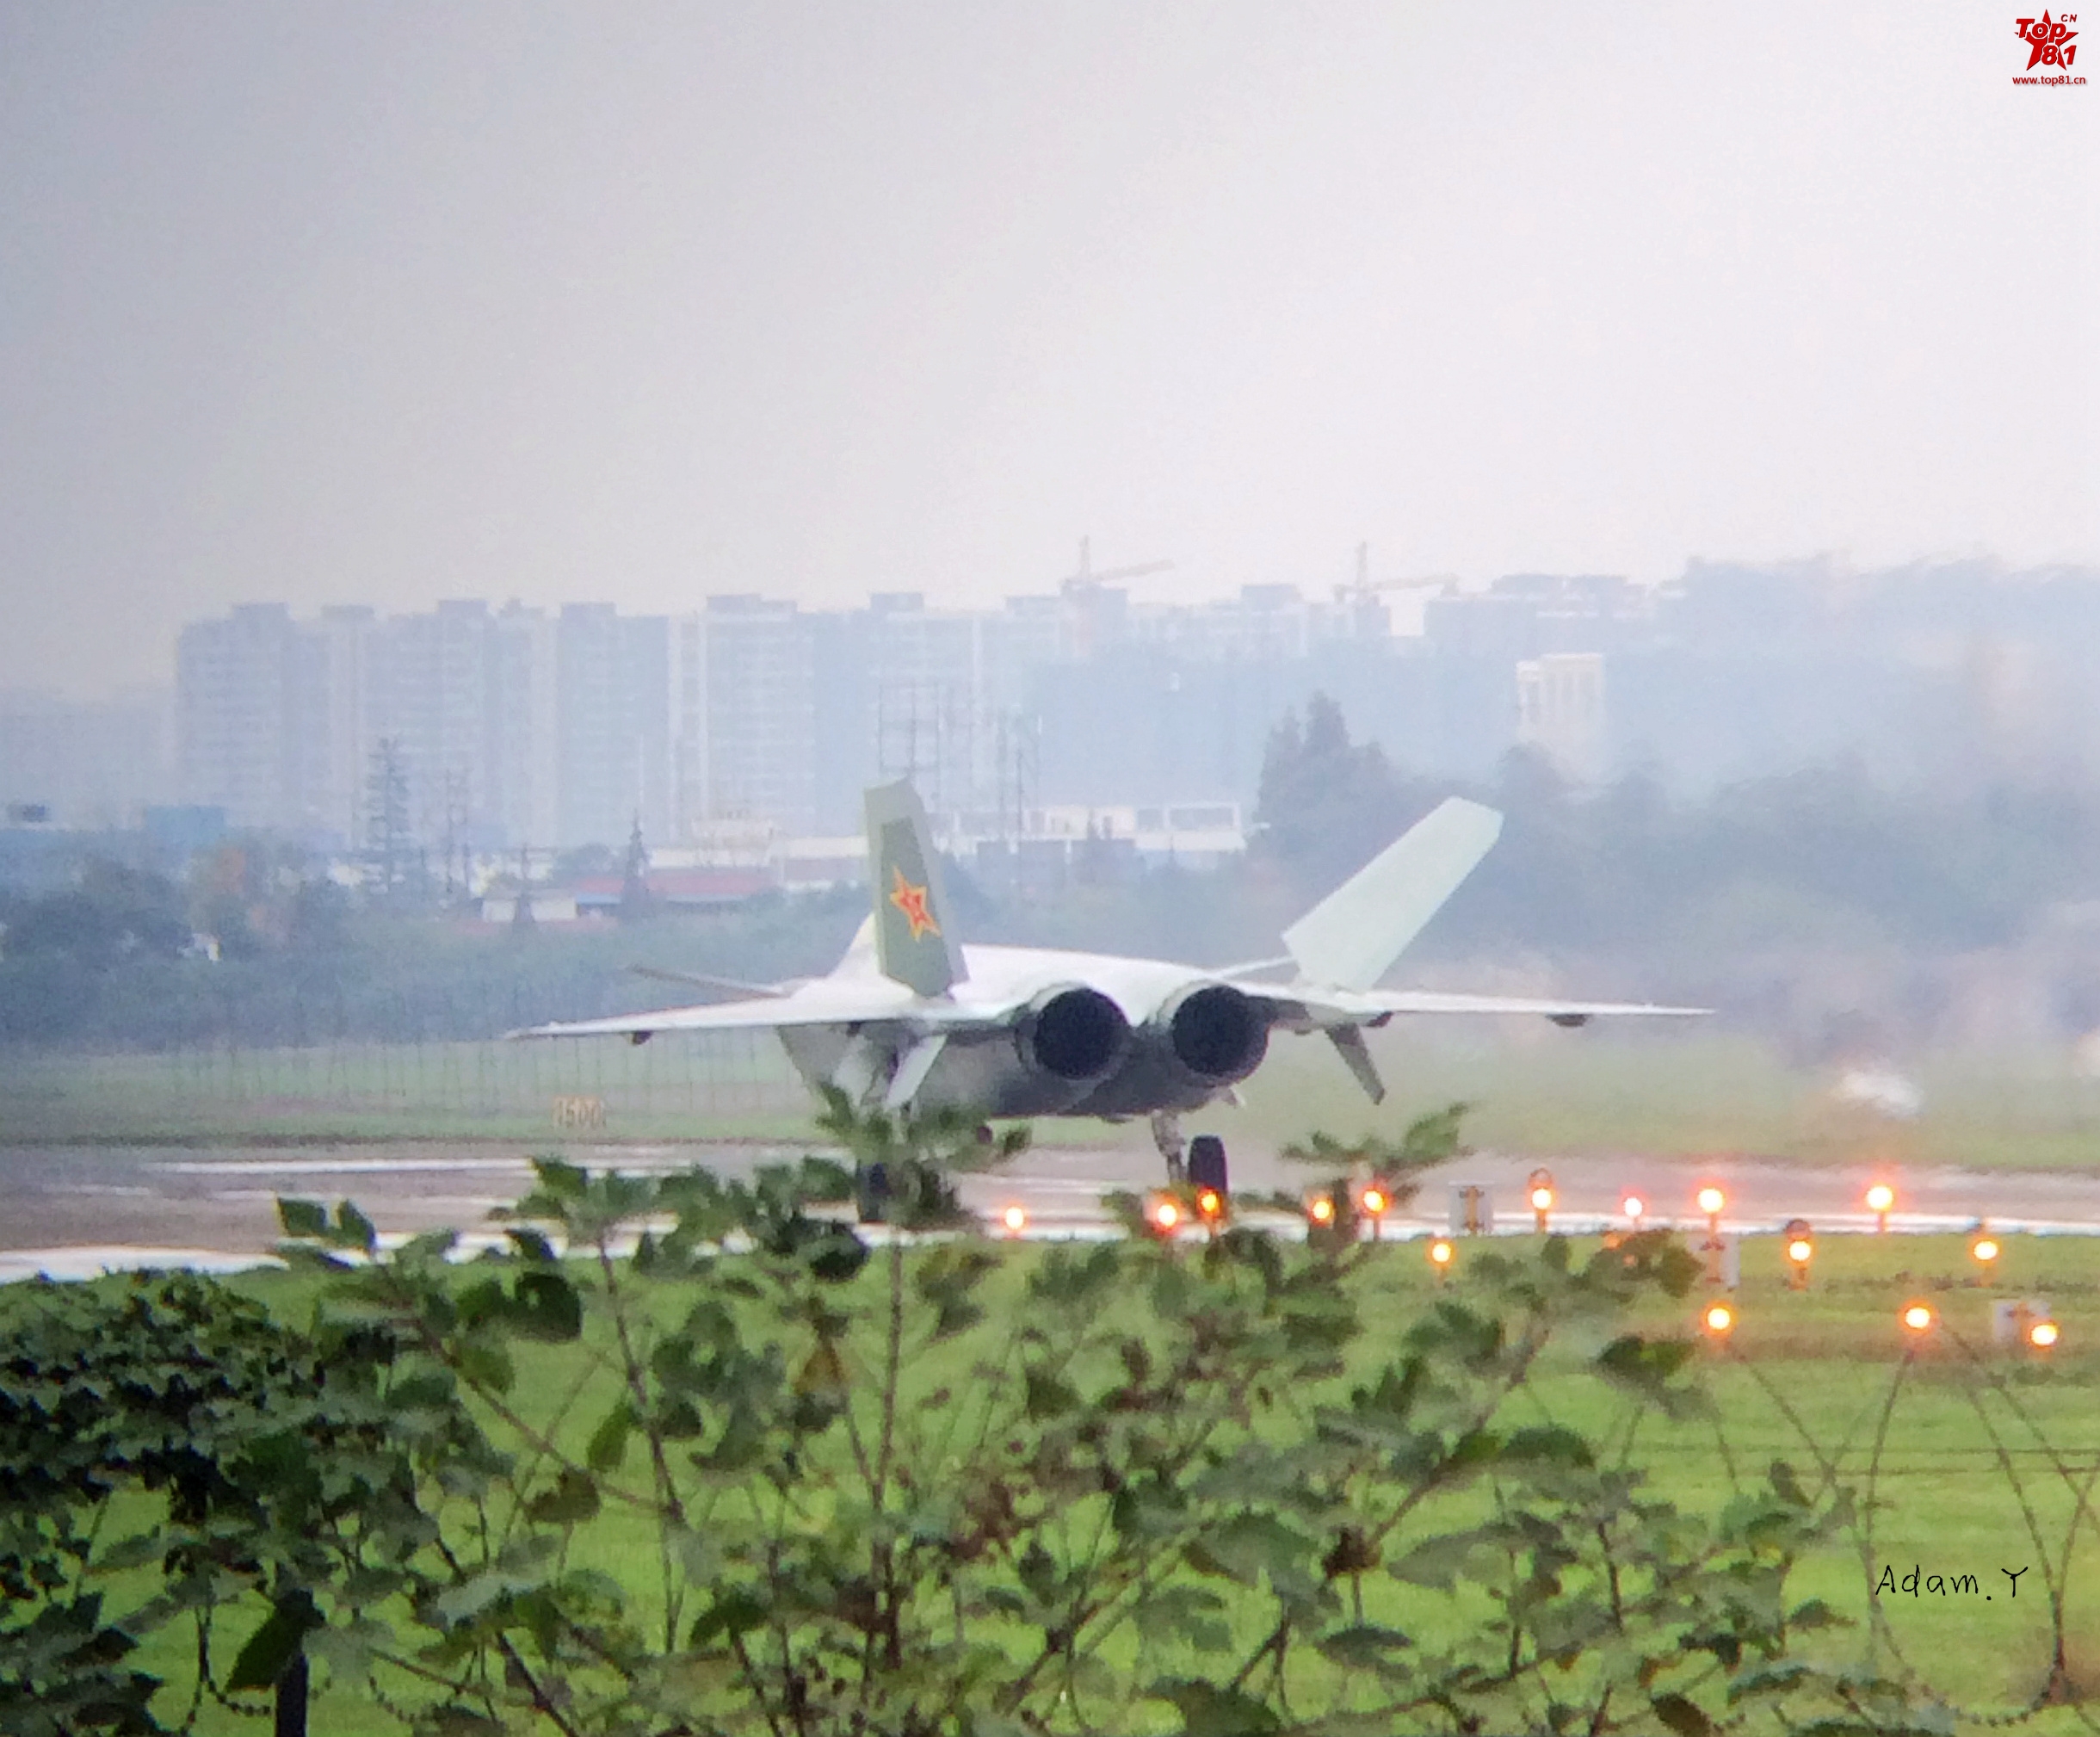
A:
{"points": [[584, 861], [1326, 805], [319, 921], [114, 912]]}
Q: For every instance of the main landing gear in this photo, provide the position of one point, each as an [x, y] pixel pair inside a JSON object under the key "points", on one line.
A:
{"points": [[1167, 1136]]}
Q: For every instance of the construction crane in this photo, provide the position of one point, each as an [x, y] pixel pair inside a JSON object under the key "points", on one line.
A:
{"points": [[1086, 577], [1363, 587]]}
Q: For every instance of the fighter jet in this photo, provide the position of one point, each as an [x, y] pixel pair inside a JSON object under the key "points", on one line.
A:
{"points": [[912, 1017]]}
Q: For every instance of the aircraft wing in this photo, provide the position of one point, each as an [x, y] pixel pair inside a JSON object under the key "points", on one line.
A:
{"points": [[827, 1001], [1343, 1013], [1309, 1008]]}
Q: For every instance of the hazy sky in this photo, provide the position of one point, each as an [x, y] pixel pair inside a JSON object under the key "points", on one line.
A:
{"points": [[336, 303]]}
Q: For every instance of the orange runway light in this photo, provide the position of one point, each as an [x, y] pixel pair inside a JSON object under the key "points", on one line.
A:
{"points": [[1800, 1247], [1541, 1183], [1320, 1210], [1880, 1197], [1984, 1250], [1374, 1200], [1016, 1218], [1633, 1206], [1166, 1215], [1711, 1200], [1718, 1320], [1440, 1253], [1918, 1319], [1210, 1203], [2042, 1334]]}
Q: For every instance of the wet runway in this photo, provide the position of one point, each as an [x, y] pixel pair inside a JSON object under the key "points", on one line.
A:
{"points": [[69, 1211]]}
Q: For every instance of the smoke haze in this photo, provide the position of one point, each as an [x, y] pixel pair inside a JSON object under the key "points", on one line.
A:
{"points": [[336, 304]]}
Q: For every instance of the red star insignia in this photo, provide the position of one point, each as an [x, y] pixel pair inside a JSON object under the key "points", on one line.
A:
{"points": [[911, 900]]}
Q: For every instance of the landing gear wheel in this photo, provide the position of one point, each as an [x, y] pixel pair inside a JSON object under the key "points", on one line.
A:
{"points": [[1167, 1136]]}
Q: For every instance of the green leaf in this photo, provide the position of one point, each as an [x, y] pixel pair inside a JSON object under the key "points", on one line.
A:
{"points": [[467, 1600], [302, 1217], [1441, 1561], [1547, 1444], [1815, 1614], [1047, 1396], [1682, 1716], [697, 1556], [531, 1244], [565, 1181], [1363, 1645], [736, 1611], [275, 1643], [134, 1552], [1644, 1367], [1208, 1710], [432, 1245], [546, 1307], [1193, 1613], [609, 1442], [485, 1364], [1073, 1281], [1247, 1544], [458, 1721], [573, 1498], [1785, 1484], [1772, 1677], [353, 1229]]}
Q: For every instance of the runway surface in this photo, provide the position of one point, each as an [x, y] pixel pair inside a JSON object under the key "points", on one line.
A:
{"points": [[74, 1211]]}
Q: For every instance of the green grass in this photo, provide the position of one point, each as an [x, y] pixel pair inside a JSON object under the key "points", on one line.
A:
{"points": [[1682, 1091], [1548, 1092], [1963, 1460]]}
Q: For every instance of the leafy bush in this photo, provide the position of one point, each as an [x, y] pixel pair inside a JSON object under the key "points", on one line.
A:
{"points": [[933, 1487]]}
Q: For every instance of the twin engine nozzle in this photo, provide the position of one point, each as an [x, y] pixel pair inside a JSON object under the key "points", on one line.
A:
{"points": [[1211, 1032]]}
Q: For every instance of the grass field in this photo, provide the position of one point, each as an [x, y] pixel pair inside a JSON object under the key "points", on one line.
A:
{"points": [[1970, 1461], [1533, 1091]]}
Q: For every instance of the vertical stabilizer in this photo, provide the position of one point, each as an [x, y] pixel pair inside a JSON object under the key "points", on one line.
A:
{"points": [[915, 942], [1352, 936]]}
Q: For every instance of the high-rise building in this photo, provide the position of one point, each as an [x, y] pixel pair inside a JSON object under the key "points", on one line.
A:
{"points": [[434, 699], [239, 717], [746, 670], [334, 725], [612, 716], [1560, 712], [521, 800]]}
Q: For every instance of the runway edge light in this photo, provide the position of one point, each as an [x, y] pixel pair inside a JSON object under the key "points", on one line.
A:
{"points": [[1985, 1249], [1799, 1247]]}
